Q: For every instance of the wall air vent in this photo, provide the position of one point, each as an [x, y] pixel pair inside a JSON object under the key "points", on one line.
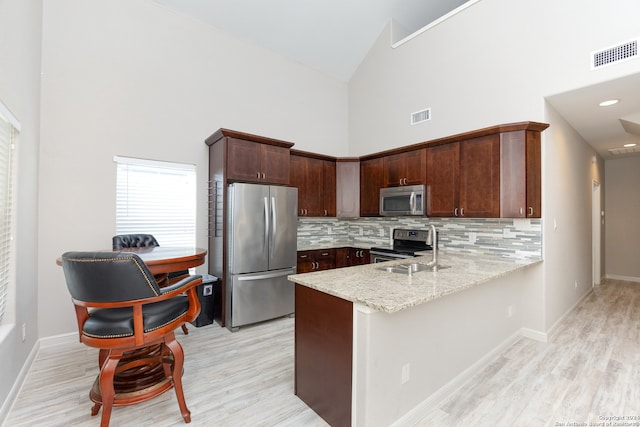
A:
{"points": [[614, 54], [420, 116], [624, 150]]}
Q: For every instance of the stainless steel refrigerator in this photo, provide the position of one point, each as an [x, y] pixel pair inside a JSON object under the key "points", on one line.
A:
{"points": [[262, 244]]}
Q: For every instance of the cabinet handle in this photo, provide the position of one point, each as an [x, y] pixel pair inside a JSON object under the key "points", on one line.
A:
{"points": [[263, 175], [405, 181], [455, 212], [325, 254], [303, 256], [316, 265], [461, 211], [521, 211], [326, 213], [530, 211], [305, 211], [258, 175]]}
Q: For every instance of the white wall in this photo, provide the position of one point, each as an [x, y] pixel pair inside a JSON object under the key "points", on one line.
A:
{"points": [[20, 33], [568, 174], [622, 218], [483, 67], [132, 78], [438, 340]]}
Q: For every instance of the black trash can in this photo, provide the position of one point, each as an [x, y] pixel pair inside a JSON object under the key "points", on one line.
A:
{"points": [[206, 296]]}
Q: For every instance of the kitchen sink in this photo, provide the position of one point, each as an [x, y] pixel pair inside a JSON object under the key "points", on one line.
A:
{"points": [[409, 269]]}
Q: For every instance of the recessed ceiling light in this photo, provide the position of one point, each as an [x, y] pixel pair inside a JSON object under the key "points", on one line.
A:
{"points": [[609, 102], [629, 145]]}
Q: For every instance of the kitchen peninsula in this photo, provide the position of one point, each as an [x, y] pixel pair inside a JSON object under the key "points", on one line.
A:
{"points": [[374, 346]]}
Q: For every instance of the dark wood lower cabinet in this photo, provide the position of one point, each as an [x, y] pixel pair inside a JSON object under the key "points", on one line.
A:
{"points": [[324, 354]]}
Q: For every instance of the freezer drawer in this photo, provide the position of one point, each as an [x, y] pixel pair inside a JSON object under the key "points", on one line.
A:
{"points": [[259, 296]]}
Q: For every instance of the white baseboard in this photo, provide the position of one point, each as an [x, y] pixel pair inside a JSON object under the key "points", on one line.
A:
{"points": [[562, 318], [625, 278], [420, 411], [17, 385], [535, 335], [54, 340]]}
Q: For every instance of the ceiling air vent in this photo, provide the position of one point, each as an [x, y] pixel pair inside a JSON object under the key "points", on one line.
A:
{"points": [[420, 116], [624, 150], [614, 54]]}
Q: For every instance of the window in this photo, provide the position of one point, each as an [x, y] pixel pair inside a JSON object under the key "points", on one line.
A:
{"points": [[158, 198], [9, 127]]}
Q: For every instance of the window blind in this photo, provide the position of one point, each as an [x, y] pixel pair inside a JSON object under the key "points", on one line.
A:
{"points": [[7, 132], [158, 198]]}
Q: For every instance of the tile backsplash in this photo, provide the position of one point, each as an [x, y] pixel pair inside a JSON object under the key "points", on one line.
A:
{"points": [[511, 238]]}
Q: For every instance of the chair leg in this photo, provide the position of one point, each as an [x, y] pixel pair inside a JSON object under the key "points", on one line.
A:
{"points": [[107, 391], [178, 364], [184, 329]]}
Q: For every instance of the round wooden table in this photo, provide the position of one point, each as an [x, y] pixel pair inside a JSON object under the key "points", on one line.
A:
{"points": [[136, 381]]}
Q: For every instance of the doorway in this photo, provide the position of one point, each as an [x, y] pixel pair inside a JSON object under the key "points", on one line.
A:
{"points": [[596, 233]]}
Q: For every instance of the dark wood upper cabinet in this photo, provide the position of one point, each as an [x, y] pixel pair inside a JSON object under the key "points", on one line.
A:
{"points": [[255, 162], [443, 168], [371, 180], [479, 188], [315, 178], [406, 168], [463, 178], [520, 174], [253, 158]]}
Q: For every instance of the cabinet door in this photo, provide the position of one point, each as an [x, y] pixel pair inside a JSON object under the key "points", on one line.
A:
{"points": [[348, 189], [415, 167], [443, 168], [343, 257], [307, 175], [371, 180], [534, 174], [479, 188], [274, 164], [329, 188], [359, 256], [513, 185], [394, 170], [243, 160], [305, 262], [325, 259]]}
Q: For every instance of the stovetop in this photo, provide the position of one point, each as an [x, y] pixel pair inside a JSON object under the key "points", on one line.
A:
{"points": [[406, 242]]}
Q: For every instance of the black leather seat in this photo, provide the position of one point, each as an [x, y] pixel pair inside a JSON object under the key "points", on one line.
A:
{"points": [[122, 241], [120, 308]]}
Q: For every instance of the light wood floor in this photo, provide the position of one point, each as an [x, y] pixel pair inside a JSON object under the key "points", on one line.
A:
{"points": [[589, 369]]}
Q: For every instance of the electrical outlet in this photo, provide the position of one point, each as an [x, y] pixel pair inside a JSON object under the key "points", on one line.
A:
{"points": [[510, 311], [207, 290], [24, 332], [405, 373]]}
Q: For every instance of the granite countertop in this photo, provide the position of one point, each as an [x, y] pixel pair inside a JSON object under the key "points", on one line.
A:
{"points": [[391, 292]]}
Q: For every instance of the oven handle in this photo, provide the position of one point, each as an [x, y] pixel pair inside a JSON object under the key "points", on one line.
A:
{"points": [[412, 202]]}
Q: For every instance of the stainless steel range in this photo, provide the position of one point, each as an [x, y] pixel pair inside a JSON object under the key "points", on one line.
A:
{"points": [[405, 245]]}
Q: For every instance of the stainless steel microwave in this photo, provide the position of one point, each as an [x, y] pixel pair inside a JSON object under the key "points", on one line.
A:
{"points": [[407, 200]]}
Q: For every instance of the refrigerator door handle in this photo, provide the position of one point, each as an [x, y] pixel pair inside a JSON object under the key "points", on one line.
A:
{"points": [[266, 223], [279, 273], [274, 216]]}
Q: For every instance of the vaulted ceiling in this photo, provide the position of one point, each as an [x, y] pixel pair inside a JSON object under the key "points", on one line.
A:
{"points": [[334, 36]]}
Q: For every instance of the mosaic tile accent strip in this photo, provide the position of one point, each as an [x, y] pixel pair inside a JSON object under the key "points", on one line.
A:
{"points": [[509, 238]]}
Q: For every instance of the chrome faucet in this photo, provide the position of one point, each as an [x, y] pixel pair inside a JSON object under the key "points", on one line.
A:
{"points": [[432, 239]]}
